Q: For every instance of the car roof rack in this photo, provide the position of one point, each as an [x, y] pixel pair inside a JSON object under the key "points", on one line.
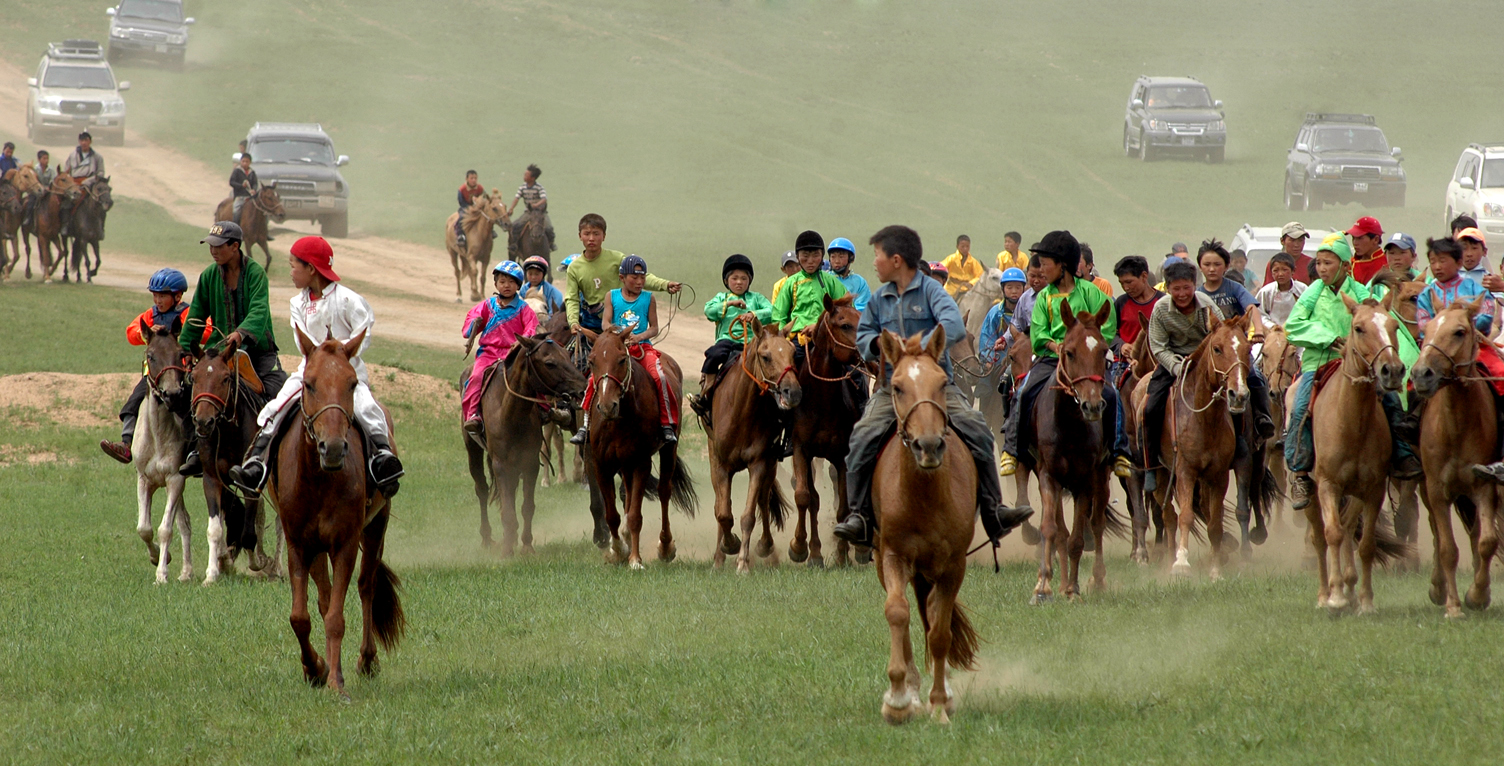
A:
{"points": [[1365, 119], [88, 50], [1487, 145]]}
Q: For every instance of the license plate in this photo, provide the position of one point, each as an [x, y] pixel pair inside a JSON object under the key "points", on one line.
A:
{"points": [[161, 49], [1360, 187], [1187, 142], [326, 202]]}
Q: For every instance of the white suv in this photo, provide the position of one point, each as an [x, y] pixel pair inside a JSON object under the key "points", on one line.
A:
{"points": [[1260, 243], [1477, 189], [74, 91]]}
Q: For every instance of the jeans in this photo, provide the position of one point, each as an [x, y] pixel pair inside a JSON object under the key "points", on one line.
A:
{"points": [[1042, 374], [1300, 451]]}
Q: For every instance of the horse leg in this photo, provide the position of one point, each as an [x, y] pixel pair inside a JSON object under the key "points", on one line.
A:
{"points": [[1027, 531], [506, 491], [899, 702], [217, 554], [1098, 530], [373, 539], [176, 514], [314, 669], [1330, 498], [803, 491], [1478, 596], [530, 471], [843, 507], [1075, 543], [144, 493], [941, 606], [1179, 524], [1407, 521], [477, 460], [1317, 536], [667, 551], [1049, 502], [1244, 475], [1369, 506], [334, 612], [636, 483], [1213, 499], [760, 478], [726, 542], [614, 551]]}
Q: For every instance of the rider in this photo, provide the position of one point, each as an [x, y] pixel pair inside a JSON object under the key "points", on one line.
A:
{"points": [[788, 265], [322, 309], [1059, 256], [1176, 328], [801, 299], [166, 287], [1000, 317], [469, 190], [964, 270], [243, 185], [8, 159], [1234, 300], [1010, 258], [1319, 325], [85, 167], [536, 200], [906, 304], [495, 323], [1368, 249], [1136, 303], [45, 176], [585, 290], [232, 294], [725, 310], [840, 254], [535, 273], [631, 307]]}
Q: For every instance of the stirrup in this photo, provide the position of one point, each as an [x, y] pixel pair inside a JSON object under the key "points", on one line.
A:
{"points": [[854, 529], [390, 465], [1121, 468], [1007, 465], [670, 436], [250, 475]]}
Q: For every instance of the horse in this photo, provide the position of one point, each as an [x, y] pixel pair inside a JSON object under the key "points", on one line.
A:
{"points": [[1279, 361], [158, 449], [1404, 495], [1199, 439], [556, 328], [514, 407], [49, 224], [254, 212], [88, 228], [829, 381], [745, 421], [10, 220], [1010, 375], [1140, 367], [330, 513], [976, 300], [624, 436], [924, 491], [226, 398], [1458, 429], [532, 239], [485, 212]]}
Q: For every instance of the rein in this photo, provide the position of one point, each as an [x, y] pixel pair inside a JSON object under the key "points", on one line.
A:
{"points": [[1217, 393], [809, 365], [1368, 365], [762, 384], [222, 405], [154, 380], [534, 370]]}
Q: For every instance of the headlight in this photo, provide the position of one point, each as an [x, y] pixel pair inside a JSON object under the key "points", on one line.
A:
{"points": [[112, 107], [50, 103], [177, 39], [1392, 172], [1216, 126], [1155, 124], [120, 32], [1329, 171], [1493, 209]]}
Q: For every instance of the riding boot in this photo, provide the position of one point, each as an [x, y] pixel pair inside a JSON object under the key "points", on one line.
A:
{"points": [[385, 469], [1403, 464], [859, 527], [251, 474], [121, 451], [561, 416], [1000, 520], [1493, 471], [582, 436], [192, 465], [461, 241], [1301, 488], [670, 436]]}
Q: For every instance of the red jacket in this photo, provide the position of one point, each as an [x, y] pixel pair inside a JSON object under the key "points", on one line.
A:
{"points": [[133, 330], [1364, 270]]}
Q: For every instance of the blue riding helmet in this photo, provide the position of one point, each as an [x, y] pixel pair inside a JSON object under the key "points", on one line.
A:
{"points": [[167, 281], [568, 259], [1013, 275], [511, 269], [841, 243]]}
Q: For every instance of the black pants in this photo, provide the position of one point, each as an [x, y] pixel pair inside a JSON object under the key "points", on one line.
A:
{"points": [[132, 410], [717, 355], [269, 369], [1153, 427]]}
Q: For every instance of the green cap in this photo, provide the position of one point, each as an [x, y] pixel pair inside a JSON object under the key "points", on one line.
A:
{"points": [[1340, 247]]}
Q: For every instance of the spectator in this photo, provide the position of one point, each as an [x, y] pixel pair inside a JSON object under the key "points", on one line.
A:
{"points": [[1011, 258], [1088, 270], [1278, 297], [1292, 238]]}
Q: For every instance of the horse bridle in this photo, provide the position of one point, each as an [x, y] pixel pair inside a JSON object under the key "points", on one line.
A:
{"points": [[222, 405], [903, 418], [256, 201], [309, 419], [762, 383], [533, 371], [1064, 382], [1368, 362], [154, 380], [1452, 374], [1217, 393], [809, 366]]}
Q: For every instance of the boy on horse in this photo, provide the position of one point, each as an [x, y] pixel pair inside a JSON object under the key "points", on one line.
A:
{"points": [[1000, 317], [962, 270], [469, 190], [726, 309], [495, 324], [788, 265], [906, 304], [243, 185], [166, 287], [535, 201], [46, 174], [1176, 328], [1319, 324], [801, 298], [631, 307], [535, 271], [587, 280], [322, 309], [1278, 297], [840, 254], [1059, 256], [85, 167], [1235, 300]]}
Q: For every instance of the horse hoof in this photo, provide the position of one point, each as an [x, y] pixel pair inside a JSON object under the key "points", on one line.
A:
{"points": [[817, 562], [1477, 601], [743, 566], [1456, 613], [1180, 569], [797, 553], [369, 666], [1039, 599], [1437, 596], [863, 555], [667, 553], [1029, 534], [731, 545], [899, 710], [318, 675], [153, 553], [635, 565], [1214, 574], [1336, 603], [764, 548], [1258, 535], [1364, 610], [940, 716], [186, 576], [161, 579]]}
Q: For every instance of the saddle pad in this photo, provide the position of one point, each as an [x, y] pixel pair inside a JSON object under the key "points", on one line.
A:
{"points": [[1493, 366], [247, 372], [1324, 373]]}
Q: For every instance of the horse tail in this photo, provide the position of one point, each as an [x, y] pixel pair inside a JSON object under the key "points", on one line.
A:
{"points": [[387, 618], [964, 640], [1116, 525], [682, 493], [1468, 512], [778, 505], [1389, 548]]}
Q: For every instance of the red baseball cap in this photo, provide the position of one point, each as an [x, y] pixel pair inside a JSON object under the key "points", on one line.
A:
{"points": [[316, 252], [1366, 225]]}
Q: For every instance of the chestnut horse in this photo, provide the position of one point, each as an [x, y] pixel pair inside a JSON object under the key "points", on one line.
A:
{"points": [[831, 381], [330, 513], [925, 493], [756, 387], [624, 437], [1279, 361], [11, 203], [254, 212], [1457, 431], [514, 405], [471, 261], [88, 229]]}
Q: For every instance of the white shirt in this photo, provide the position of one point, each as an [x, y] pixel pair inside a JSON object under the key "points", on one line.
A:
{"points": [[1275, 304], [339, 311]]}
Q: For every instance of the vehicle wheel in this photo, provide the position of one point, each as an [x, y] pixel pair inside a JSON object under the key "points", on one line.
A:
{"points": [[1145, 152], [1293, 201], [1127, 146], [1216, 156], [337, 225], [1311, 202]]}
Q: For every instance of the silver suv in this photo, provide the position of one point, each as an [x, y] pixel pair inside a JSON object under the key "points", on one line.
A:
{"points": [[300, 157], [150, 27], [1173, 115], [75, 90]]}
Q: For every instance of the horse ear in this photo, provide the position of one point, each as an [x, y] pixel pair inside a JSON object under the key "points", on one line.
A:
{"points": [[936, 345], [305, 344], [229, 350], [1067, 317], [145, 328], [1474, 307], [966, 317], [1349, 303], [891, 345], [352, 346], [177, 325], [830, 305], [1104, 313], [756, 326]]}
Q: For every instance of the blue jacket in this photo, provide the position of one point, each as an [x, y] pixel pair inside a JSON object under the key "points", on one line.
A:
{"points": [[857, 286], [1023, 313], [8, 164], [552, 296], [921, 307], [994, 326]]}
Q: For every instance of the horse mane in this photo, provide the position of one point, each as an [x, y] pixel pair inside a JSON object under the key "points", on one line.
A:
{"points": [[474, 214]]}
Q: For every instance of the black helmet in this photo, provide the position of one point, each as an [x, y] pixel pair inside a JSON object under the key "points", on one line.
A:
{"points": [[737, 262], [1061, 247]]}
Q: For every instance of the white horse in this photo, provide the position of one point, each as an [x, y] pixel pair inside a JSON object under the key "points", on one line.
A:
{"points": [[158, 452]]}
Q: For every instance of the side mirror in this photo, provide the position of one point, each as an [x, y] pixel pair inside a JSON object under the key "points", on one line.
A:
{"points": [[1394, 151], [109, 11], [1302, 148], [31, 82], [1465, 182], [1138, 103], [188, 20], [235, 156], [124, 85], [1217, 104], [344, 159]]}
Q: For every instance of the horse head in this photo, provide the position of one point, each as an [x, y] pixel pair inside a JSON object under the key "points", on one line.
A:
{"points": [[26, 179], [329, 383], [101, 194], [1373, 341], [270, 201], [838, 325], [1223, 359], [215, 384], [611, 366], [166, 365], [1280, 363], [552, 371], [918, 390], [1451, 346], [770, 362], [1082, 369]]}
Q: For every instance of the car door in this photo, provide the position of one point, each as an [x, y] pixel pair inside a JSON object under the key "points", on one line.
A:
{"points": [[1296, 158], [1136, 114], [1467, 198]]}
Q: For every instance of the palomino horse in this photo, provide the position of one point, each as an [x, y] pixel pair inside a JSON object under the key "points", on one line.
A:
{"points": [[925, 494], [1199, 440], [226, 398], [746, 419], [159, 447], [1457, 431], [624, 436], [88, 229], [254, 212], [1351, 437], [330, 514], [1074, 455], [831, 380], [485, 213], [518, 394]]}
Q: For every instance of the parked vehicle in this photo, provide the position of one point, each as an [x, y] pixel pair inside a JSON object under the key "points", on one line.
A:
{"points": [[1173, 115], [155, 28], [1260, 243], [300, 158], [1339, 158], [1477, 189], [75, 90]]}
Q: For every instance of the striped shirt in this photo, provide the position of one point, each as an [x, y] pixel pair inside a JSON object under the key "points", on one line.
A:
{"points": [[531, 194]]}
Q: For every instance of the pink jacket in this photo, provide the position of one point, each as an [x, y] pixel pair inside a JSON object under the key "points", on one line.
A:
{"points": [[499, 327]]}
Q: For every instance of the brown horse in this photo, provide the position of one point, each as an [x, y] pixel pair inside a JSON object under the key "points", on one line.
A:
{"points": [[1279, 362], [330, 513], [515, 405], [1141, 366], [87, 229], [1199, 440], [746, 420], [1457, 431], [532, 237], [1404, 495], [831, 382], [1020, 357], [10, 220], [925, 494], [470, 262], [1352, 443], [624, 437], [254, 212]]}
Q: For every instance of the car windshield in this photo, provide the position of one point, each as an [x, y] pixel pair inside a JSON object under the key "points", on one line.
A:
{"points": [[1179, 97], [307, 150], [156, 10], [1493, 174], [1350, 140], [78, 77]]}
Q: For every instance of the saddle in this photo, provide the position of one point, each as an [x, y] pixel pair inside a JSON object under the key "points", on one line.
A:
{"points": [[1492, 366], [365, 440], [247, 373], [1324, 375]]}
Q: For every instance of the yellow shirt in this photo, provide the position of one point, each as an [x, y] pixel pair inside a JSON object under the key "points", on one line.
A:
{"points": [[1005, 261], [779, 286], [963, 270]]}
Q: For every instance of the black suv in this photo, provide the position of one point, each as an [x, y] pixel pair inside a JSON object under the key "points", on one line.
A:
{"points": [[1173, 115], [1342, 158]]}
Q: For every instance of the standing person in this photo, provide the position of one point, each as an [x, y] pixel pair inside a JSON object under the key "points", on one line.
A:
{"points": [[1010, 257], [535, 269], [495, 324], [725, 309], [999, 319], [85, 167], [1176, 328], [587, 280], [1368, 249], [535, 201], [801, 299], [232, 293], [8, 159], [1475, 261], [906, 304], [630, 306], [1292, 241], [788, 265], [1137, 302], [323, 308], [243, 185], [840, 254], [963, 270], [1239, 266], [1059, 256], [1088, 271], [1234, 300], [469, 191], [1279, 296]]}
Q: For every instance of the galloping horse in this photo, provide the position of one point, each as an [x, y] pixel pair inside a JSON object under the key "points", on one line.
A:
{"points": [[831, 381], [746, 421], [924, 491], [624, 436], [88, 228], [532, 239], [1141, 366], [1457, 431], [1351, 437], [10, 220], [330, 513], [514, 406], [254, 212], [471, 261], [1074, 455], [46, 221], [158, 449], [1280, 364]]}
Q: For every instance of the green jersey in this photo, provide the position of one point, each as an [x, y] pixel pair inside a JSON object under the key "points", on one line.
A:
{"points": [[801, 300], [725, 319], [245, 309], [591, 281], [1320, 318], [1046, 324]]}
